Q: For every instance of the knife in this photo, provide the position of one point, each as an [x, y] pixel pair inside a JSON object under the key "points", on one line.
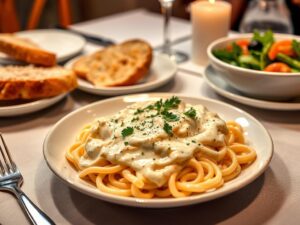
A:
{"points": [[94, 39]]}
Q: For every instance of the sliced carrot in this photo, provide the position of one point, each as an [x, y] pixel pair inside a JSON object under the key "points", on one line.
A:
{"points": [[243, 44], [245, 50], [284, 47], [278, 67], [229, 47]]}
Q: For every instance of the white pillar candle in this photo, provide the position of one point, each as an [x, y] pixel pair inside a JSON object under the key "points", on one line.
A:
{"points": [[210, 21]]}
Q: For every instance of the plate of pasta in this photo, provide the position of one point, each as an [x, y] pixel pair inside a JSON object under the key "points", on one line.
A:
{"points": [[158, 150]]}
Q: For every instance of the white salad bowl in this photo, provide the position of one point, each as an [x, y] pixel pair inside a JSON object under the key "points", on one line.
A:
{"points": [[254, 83]]}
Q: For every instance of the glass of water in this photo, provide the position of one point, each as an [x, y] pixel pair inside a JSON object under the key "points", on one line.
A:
{"points": [[265, 15], [166, 8]]}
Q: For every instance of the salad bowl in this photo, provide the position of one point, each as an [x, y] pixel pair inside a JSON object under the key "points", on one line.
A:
{"points": [[253, 82]]}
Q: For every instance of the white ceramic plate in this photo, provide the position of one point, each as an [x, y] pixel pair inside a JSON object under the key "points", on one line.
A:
{"points": [[63, 134], [8, 109], [161, 71], [64, 44], [217, 83]]}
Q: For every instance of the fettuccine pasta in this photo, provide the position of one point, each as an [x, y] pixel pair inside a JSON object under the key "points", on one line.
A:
{"points": [[160, 149]]}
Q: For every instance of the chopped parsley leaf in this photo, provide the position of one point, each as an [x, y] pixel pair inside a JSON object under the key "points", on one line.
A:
{"points": [[126, 143], [170, 117], [191, 113], [158, 105], [171, 103], [168, 128], [150, 107], [138, 111], [135, 119], [127, 131]]}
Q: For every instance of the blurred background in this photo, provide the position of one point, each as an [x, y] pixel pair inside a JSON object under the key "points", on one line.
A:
{"points": [[23, 14]]}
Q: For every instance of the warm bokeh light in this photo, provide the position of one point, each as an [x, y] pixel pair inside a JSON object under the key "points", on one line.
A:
{"points": [[212, 1]]}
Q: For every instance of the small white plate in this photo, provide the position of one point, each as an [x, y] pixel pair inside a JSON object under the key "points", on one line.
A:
{"points": [[64, 44], [63, 134], [217, 83], [161, 71], [8, 109]]}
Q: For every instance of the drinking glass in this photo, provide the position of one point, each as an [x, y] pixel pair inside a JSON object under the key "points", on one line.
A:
{"points": [[266, 14], [166, 8]]}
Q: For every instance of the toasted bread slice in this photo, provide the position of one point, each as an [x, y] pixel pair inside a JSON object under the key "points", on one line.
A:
{"points": [[117, 65], [28, 82], [26, 51], [81, 66]]}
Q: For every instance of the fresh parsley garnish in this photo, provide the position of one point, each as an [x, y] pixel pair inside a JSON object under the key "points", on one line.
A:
{"points": [[171, 103], [168, 128], [138, 111], [126, 143], [161, 108], [135, 119], [161, 105], [170, 117], [127, 131], [158, 105], [191, 113]]}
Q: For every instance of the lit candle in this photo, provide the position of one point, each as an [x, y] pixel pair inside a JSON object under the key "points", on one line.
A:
{"points": [[210, 21]]}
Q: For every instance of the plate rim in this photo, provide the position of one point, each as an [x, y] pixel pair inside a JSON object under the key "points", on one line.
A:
{"points": [[53, 30], [131, 89], [245, 100], [160, 203], [30, 107]]}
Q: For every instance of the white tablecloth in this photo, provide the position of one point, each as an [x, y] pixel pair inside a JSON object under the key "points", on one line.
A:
{"points": [[272, 199]]}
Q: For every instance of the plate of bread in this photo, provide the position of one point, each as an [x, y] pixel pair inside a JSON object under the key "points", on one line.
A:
{"points": [[47, 45], [37, 82], [128, 67]]}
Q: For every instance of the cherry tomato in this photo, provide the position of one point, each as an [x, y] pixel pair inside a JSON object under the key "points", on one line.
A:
{"points": [[278, 67]]}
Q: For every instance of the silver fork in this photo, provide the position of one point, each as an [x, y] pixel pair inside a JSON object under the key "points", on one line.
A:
{"points": [[11, 180]]}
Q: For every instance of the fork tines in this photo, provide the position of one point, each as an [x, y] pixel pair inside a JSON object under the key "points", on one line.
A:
{"points": [[6, 163]]}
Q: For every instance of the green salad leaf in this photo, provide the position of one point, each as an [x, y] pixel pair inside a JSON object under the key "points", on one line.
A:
{"points": [[264, 38], [288, 60], [296, 47], [229, 56], [250, 62]]}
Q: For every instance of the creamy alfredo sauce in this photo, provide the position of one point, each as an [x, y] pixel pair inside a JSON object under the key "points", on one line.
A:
{"points": [[155, 138]]}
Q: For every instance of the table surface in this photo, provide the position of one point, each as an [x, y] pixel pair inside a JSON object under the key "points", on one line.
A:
{"points": [[273, 198]]}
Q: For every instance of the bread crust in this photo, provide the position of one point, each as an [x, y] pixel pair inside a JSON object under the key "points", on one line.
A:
{"points": [[137, 52], [80, 67], [31, 88], [12, 46]]}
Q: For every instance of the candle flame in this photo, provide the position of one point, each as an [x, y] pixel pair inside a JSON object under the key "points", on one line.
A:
{"points": [[212, 1]]}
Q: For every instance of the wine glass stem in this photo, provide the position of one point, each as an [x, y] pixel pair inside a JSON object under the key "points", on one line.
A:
{"points": [[167, 12]]}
